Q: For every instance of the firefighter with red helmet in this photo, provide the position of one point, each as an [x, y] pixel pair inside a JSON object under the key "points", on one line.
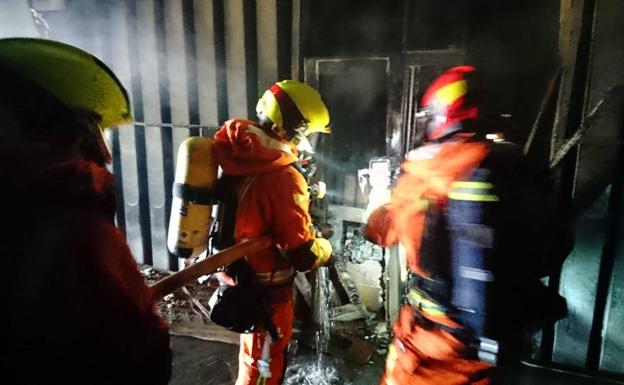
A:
{"points": [[272, 198], [78, 310], [474, 228]]}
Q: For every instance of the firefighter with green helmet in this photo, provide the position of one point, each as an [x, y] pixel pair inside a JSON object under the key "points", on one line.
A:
{"points": [[79, 310]]}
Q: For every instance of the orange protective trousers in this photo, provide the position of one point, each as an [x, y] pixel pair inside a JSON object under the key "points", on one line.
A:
{"points": [[429, 356], [252, 347]]}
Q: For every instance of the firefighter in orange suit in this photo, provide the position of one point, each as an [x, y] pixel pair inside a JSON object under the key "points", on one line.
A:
{"points": [[78, 311], [273, 200], [475, 232]]}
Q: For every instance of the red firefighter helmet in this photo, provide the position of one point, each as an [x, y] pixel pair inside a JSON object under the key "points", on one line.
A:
{"points": [[449, 103]]}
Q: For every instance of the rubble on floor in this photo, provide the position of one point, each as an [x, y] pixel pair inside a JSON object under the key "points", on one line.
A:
{"points": [[354, 356], [187, 304]]}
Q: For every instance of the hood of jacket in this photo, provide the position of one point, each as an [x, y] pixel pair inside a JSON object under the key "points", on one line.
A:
{"points": [[241, 148]]}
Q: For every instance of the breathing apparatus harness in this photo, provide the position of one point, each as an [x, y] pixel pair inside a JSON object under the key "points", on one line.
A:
{"points": [[243, 307]]}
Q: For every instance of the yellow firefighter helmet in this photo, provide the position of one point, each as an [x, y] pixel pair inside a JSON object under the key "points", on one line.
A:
{"points": [[289, 102]]}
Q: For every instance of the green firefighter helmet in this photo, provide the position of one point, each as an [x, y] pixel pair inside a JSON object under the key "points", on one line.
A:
{"points": [[75, 77]]}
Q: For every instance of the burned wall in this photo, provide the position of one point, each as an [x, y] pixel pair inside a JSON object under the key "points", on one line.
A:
{"points": [[514, 43], [521, 46], [345, 28]]}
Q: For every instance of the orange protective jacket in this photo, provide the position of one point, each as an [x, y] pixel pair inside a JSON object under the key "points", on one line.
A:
{"points": [[403, 219], [273, 198], [424, 352]]}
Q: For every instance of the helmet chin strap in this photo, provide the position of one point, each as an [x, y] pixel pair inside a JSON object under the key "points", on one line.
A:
{"points": [[300, 140], [296, 137], [280, 132], [103, 146], [96, 134], [450, 132]]}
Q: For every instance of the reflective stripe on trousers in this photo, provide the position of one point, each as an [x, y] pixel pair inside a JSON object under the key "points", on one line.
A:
{"points": [[430, 356], [252, 346]]}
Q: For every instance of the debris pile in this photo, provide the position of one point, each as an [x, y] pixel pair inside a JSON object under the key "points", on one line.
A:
{"points": [[187, 304], [357, 249]]}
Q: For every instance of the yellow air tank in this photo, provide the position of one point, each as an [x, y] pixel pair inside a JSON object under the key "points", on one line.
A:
{"points": [[193, 197]]}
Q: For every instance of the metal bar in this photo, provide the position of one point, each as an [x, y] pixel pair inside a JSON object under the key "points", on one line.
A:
{"points": [[107, 56], [607, 261], [190, 48], [323, 60], [139, 134], [578, 99], [284, 38], [404, 112], [409, 118], [166, 134], [592, 118], [296, 56], [120, 211], [251, 55], [413, 107], [305, 63], [161, 47], [602, 376], [394, 108], [545, 101], [175, 125], [218, 13]]}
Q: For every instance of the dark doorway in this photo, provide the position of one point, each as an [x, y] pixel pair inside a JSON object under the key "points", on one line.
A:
{"points": [[356, 92], [372, 102]]}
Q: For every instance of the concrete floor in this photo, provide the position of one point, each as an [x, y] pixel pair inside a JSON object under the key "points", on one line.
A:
{"points": [[200, 362], [531, 375], [197, 361]]}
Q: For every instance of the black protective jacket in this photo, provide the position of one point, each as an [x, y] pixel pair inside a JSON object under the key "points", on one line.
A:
{"points": [[489, 244], [76, 308]]}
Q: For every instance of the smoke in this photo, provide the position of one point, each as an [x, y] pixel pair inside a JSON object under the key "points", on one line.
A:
{"points": [[369, 28], [123, 34], [16, 19], [517, 60]]}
